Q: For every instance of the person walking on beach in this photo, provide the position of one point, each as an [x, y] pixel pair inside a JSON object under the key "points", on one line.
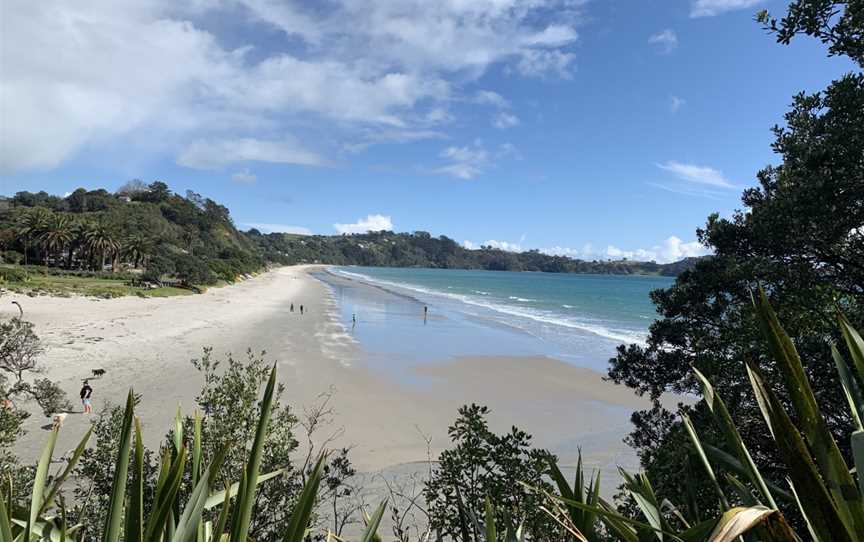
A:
{"points": [[86, 391], [301, 310], [353, 320], [292, 307], [425, 313]]}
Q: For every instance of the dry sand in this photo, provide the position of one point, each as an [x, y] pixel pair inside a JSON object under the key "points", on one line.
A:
{"points": [[147, 344]]}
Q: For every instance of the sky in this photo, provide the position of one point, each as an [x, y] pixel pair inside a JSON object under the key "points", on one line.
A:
{"points": [[590, 128]]}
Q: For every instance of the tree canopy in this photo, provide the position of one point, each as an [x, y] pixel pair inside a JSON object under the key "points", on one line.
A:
{"points": [[800, 236]]}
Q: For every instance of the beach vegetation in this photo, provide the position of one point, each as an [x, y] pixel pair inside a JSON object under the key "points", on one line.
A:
{"points": [[483, 465], [800, 236], [20, 349], [189, 493], [186, 495], [223, 427]]}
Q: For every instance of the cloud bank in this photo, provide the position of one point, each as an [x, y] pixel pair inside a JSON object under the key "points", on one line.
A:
{"points": [[363, 225], [160, 75]]}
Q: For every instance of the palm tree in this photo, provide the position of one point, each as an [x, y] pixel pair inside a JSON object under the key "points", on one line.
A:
{"points": [[99, 240], [58, 233], [137, 246], [31, 224]]}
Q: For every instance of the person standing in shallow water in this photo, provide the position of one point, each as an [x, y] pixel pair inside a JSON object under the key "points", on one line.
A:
{"points": [[86, 392]]}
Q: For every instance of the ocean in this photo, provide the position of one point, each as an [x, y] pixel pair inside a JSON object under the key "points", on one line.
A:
{"points": [[576, 318]]}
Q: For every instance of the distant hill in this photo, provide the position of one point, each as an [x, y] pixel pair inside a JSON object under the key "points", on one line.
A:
{"points": [[150, 230], [421, 249]]}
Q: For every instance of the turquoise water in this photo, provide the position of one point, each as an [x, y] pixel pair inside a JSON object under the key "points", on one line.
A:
{"points": [[573, 317]]}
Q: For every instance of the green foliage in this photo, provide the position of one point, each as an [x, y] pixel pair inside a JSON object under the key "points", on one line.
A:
{"points": [[488, 487], [171, 516], [228, 399], [420, 249], [836, 23], [801, 236], [98, 231], [483, 464], [20, 349]]}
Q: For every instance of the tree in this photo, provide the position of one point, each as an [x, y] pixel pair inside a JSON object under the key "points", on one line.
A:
{"points": [[132, 188], [192, 270], [31, 224], [836, 23], [57, 234], [157, 192], [137, 246], [483, 464], [20, 349], [801, 236], [100, 240]]}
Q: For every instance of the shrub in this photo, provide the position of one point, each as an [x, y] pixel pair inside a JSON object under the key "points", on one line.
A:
{"points": [[483, 464]]}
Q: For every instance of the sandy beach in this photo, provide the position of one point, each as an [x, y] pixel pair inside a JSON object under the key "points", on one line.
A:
{"points": [[147, 344]]}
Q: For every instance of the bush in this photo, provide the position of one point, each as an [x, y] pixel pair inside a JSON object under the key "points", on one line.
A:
{"points": [[12, 256], [158, 267], [193, 270], [13, 274], [485, 465]]}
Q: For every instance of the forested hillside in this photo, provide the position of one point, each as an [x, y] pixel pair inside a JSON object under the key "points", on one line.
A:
{"points": [[149, 232], [139, 228], [421, 249]]}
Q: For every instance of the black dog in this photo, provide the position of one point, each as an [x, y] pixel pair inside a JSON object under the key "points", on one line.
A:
{"points": [[98, 372]]}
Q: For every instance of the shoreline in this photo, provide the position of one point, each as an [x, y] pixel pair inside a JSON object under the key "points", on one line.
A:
{"points": [[149, 342]]}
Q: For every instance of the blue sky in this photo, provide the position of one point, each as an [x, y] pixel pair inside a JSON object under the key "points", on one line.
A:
{"points": [[594, 128]]}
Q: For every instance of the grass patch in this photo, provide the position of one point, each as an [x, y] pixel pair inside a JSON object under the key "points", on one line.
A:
{"points": [[16, 279]]}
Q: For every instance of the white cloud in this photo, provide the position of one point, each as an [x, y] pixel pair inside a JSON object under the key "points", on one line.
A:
{"points": [[692, 173], [689, 190], [439, 115], [468, 161], [278, 228], [554, 35], [587, 251], [378, 65], [541, 62], [244, 177], [215, 154], [363, 225], [504, 120], [504, 245], [488, 97], [500, 245], [709, 8], [676, 103], [666, 41], [473, 160], [671, 250], [377, 137]]}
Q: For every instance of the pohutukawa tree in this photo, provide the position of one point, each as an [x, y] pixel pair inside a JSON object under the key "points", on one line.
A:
{"points": [[800, 236]]}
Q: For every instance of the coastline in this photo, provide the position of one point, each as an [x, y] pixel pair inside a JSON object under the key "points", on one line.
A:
{"points": [[147, 343]]}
